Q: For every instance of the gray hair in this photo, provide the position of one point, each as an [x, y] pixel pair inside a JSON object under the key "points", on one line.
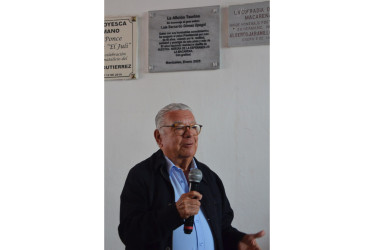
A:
{"points": [[171, 107]]}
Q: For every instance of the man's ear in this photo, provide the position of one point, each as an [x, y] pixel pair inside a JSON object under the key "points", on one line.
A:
{"points": [[158, 139]]}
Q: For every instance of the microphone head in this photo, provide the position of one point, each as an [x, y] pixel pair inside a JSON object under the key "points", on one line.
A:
{"points": [[195, 175]]}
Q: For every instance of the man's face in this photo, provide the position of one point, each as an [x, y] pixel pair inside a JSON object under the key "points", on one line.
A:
{"points": [[178, 146]]}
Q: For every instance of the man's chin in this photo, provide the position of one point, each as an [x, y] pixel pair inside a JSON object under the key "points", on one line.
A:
{"points": [[188, 154]]}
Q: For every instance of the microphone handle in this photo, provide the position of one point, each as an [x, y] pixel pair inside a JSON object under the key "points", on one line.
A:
{"points": [[188, 223]]}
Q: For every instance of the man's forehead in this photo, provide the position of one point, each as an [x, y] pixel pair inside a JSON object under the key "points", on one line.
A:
{"points": [[180, 116]]}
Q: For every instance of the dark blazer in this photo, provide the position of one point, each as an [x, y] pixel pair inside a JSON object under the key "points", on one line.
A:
{"points": [[148, 214]]}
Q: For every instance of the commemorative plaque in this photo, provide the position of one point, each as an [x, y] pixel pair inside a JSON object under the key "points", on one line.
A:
{"points": [[184, 39], [120, 46], [249, 24]]}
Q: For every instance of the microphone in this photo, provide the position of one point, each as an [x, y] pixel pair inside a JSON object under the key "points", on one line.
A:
{"points": [[194, 177]]}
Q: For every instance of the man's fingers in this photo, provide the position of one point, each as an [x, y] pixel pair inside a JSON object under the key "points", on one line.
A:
{"points": [[257, 235], [194, 195], [188, 203], [191, 195], [187, 206], [251, 238]]}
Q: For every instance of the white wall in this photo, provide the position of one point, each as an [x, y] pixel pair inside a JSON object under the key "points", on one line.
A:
{"points": [[232, 103]]}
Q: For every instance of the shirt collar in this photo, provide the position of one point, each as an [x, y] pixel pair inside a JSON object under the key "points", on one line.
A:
{"points": [[171, 165]]}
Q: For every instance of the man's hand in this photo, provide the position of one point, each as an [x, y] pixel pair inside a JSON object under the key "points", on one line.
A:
{"points": [[249, 241], [189, 204]]}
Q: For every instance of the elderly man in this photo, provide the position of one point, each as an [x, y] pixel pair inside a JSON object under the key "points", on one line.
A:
{"points": [[156, 201]]}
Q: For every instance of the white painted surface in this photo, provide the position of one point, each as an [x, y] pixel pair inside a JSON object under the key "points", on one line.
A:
{"points": [[232, 103]]}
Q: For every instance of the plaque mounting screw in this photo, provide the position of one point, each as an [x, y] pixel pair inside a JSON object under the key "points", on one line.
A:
{"points": [[215, 64], [150, 67], [151, 14], [214, 11]]}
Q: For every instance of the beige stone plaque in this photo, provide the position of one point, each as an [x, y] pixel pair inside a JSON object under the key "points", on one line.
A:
{"points": [[120, 46]]}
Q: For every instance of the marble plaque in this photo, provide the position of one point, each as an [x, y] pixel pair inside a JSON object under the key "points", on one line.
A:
{"points": [[120, 47], [249, 24], [184, 39]]}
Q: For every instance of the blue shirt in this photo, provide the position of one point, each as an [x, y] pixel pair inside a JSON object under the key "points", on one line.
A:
{"points": [[201, 237]]}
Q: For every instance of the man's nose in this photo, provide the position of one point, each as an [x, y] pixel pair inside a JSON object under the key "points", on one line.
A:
{"points": [[187, 132]]}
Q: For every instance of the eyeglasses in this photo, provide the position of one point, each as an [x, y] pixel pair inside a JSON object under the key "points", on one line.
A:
{"points": [[180, 129]]}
